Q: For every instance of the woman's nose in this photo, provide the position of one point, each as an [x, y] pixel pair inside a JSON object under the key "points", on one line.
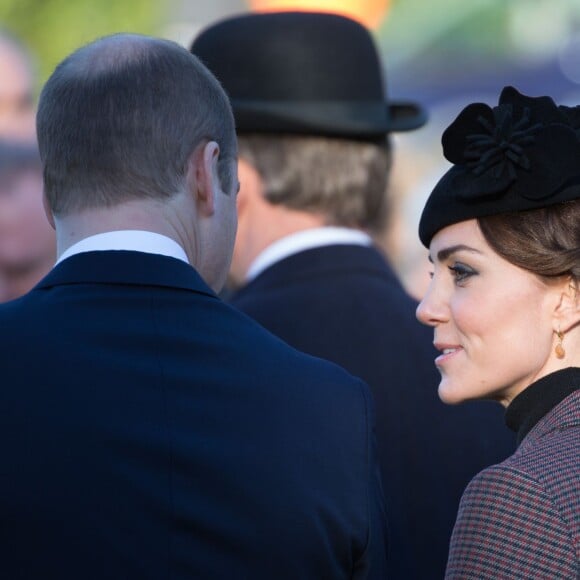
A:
{"points": [[432, 309]]}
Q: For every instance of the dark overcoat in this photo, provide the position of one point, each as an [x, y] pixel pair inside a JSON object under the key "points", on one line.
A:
{"points": [[343, 303], [149, 431]]}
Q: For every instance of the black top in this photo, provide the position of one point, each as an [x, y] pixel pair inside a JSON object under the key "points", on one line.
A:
{"points": [[539, 398]]}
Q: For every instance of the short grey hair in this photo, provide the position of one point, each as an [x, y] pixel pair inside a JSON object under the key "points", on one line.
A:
{"points": [[119, 118], [344, 180]]}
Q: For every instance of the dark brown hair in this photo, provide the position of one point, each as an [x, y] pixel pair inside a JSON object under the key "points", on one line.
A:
{"points": [[544, 241]]}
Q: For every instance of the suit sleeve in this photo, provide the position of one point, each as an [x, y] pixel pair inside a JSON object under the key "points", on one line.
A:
{"points": [[508, 526], [373, 563]]}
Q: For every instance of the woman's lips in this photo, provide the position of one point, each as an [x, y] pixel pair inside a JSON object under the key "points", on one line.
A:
{"points": [[447, 353]]}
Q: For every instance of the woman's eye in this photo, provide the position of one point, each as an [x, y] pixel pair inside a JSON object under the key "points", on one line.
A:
{"points": [[461, 272]]}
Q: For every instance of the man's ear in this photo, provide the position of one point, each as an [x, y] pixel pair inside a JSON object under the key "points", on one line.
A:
{"points": [[203, 178], [48, 211], [567, 312]]}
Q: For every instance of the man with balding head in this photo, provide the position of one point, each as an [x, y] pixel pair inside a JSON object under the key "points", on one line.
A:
{"points": [[160, 433]]}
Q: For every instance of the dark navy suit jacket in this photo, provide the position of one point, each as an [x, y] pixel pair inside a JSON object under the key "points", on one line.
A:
{"points": [[343, 303], [150, 431]]}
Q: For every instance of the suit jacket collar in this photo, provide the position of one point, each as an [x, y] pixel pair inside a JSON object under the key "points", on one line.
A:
{"points": [[125, 267], [303, 240], [323, 262]]}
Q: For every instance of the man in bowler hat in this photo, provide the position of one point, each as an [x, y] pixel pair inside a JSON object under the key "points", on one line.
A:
{"points": [[313, 122], [148, 429]]}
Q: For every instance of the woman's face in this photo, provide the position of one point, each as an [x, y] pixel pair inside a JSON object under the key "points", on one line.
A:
{"points": [[493, 321]]}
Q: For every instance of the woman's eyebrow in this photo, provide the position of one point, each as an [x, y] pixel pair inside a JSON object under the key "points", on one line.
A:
{"points": [[443, 254]]}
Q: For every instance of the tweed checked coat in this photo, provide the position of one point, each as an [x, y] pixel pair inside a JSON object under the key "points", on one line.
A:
{"points": [[521, 518]]}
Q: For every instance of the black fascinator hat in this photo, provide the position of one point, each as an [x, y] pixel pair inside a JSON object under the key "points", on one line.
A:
{"points": [[521, 155], [303, 73]]}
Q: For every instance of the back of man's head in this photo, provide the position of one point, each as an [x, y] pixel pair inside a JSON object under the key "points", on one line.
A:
{"points": [[119, 118], [311, 109], [343, 180]]}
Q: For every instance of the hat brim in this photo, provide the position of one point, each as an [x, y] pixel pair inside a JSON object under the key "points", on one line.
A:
{"points": [[355, 119]]}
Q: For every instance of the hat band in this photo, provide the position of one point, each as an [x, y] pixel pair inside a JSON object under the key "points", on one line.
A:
{"points": [[348, 118]]}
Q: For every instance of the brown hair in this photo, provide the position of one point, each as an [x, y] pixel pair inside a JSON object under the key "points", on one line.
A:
{"points": [[344, 180], [544, 241]]}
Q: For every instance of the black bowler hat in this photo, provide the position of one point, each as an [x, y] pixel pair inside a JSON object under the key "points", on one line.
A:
{"points": [[522, 155], [303, 72]]}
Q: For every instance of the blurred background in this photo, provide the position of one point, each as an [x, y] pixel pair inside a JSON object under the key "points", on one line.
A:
{"points": [[441, 53]]}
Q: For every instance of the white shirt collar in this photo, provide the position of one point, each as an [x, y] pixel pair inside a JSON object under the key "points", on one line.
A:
{"points": [[134, 240], [305, 240]]}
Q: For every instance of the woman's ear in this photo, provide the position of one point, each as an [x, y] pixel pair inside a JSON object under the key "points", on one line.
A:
{"points": [[567, 312]]}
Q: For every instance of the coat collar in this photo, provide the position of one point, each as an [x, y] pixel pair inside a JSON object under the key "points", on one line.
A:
{"points": [[302, 241], [563, 416], [324, 262], [125, 267]]}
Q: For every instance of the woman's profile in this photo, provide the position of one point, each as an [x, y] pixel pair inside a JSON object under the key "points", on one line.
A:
{"points": [[503, 231]]}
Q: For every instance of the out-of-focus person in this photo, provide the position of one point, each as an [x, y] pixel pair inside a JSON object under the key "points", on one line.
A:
{"points": [[148, 429], [16, 89], [27, 241], [313, 122], [503, 231]]}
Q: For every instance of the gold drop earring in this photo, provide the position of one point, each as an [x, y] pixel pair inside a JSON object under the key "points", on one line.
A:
{"points": [[559, 350]]}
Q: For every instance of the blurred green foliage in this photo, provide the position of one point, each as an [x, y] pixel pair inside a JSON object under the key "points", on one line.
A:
{"points": [[52, 29]]}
